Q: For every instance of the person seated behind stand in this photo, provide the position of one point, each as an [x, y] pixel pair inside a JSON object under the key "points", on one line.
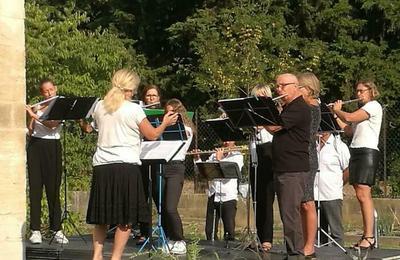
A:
{"points": [[222, 195], [328, 186]]}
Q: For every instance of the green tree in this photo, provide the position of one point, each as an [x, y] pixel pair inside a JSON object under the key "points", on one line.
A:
{"points": [[80, 62]]}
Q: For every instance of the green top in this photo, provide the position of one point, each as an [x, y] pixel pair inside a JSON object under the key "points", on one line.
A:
{"points": [[160, 112]]}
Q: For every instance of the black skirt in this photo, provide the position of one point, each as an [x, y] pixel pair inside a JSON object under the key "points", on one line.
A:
{"points": [[117, 195], [363, 166]]}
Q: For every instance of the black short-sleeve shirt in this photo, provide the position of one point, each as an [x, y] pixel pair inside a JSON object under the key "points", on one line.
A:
{"points": [[290, 145]]}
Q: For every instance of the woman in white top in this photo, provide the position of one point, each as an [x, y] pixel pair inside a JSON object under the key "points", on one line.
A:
{"points": [[364, 125], [174, 175], [116, 194], [44, 166], [264, 193]]}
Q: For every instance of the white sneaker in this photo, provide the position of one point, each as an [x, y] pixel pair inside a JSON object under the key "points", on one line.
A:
{"points": [[179, 248], [36, 237], [60, 237]]}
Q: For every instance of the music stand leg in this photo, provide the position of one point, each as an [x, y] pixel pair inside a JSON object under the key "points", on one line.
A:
{"points": [[66, 215], [213, 224], [162, 239], [253, 241]]}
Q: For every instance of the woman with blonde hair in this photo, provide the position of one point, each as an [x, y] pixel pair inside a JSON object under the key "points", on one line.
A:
{"points": [[310, 88], [364, 126], [174, 175], [263, 193], [116, 193]]}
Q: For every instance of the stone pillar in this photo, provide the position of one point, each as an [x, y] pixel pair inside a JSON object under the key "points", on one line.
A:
{"points": [[12, 130]]}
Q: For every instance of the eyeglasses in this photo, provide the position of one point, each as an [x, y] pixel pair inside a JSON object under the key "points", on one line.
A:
{"points": [[151, 95], [362, 90], [282, 85]]}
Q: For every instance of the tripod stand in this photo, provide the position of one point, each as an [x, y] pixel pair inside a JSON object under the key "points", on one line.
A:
{"points": [[158, 230], [251, 239], [251, 112], [64, 109], [66, 215]]}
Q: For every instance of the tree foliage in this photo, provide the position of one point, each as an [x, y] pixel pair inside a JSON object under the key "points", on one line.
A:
{"points": [[81, 63], [204, 50]]}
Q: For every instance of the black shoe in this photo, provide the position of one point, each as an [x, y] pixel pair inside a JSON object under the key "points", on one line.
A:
{"points": [[310, 256], [368, 239]]}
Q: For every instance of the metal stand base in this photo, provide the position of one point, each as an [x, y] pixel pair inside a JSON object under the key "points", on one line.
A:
{"points": [[66, 215]]}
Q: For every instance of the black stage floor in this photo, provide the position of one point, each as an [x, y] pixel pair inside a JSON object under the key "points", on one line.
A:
{"points": [[77, 249]]}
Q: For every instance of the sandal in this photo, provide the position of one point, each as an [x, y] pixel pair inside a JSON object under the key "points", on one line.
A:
{"points": [[266, 246], [371, 244]]}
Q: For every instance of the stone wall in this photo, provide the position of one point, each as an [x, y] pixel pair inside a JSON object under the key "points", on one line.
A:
{"points": [[12, 129], [192, 208]]}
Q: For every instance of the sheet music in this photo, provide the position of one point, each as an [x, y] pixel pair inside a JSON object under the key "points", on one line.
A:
{"points": [[160, 150]]}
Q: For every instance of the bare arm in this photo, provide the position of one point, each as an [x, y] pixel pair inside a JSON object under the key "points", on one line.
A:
{"points": [[348, 130], [152, 133], [345, 176], [354, 117], [273, 128], [48, 123], [85, 126]]}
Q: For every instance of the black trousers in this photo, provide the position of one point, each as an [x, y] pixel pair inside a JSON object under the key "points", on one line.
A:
{"points": [[173, 178], [44, 169], [145, 170], [290, 190], [265, 193], [225, 210]]}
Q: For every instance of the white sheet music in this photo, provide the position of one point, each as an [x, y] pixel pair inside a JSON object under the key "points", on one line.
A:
{"points": [[160, 150]]}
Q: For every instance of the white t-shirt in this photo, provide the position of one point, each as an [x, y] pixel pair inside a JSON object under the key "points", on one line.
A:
{"points": [[263, 136], [225, 189], [180, 156], [334, 159], [118, 134], [44, 132], [366, 133]]}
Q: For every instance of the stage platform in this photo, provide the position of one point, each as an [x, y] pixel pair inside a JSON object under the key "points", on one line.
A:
{"points": [[77, 249]]}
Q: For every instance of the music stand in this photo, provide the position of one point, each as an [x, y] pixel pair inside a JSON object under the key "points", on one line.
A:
{"points": [[224, 129], [328, 124], [73, 108], [251, 112], [218, 170], [160, 152]]}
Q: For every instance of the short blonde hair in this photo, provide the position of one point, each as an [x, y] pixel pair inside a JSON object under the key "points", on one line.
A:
{"points": [[371, 85], [122, 80], [311, 82], [261, 90]]}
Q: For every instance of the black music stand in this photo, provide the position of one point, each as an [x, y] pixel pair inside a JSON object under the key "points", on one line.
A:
{"points": [[225, 130], [219, 170], [73, 108], [328, 124], [251, 112], [160, 152]]}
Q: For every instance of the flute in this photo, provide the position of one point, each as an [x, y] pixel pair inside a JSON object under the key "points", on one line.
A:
{"points": [[345, 102], [44, 101], [279, 97], [224, 149]]}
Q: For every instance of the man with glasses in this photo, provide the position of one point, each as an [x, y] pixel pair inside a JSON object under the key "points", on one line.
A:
{"points": [[290, 157]]}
